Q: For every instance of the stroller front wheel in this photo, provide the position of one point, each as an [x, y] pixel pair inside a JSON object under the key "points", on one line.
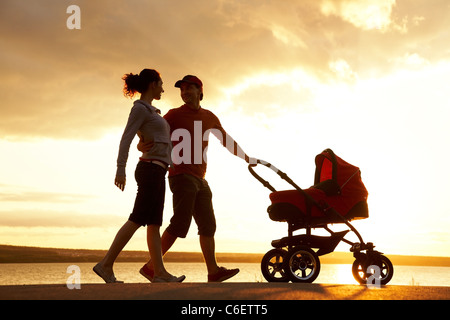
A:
{"points": [[364, 271], [302, 264], [272, 266]]}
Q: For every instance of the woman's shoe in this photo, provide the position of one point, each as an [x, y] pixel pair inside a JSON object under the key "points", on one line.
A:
{"points": [[108, 278], [147, 272]]}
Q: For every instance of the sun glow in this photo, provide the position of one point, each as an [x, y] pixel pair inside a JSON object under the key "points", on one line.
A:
{"points": [[366, 14]]}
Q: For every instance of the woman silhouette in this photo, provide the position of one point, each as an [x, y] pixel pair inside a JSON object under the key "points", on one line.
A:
{"points": [[145, 120]]}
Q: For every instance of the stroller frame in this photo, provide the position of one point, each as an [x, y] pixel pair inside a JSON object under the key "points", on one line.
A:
{"points": [[293, 258]]}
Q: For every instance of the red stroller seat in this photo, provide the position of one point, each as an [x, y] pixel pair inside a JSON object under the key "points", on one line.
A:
{"points": [[337, 185]]}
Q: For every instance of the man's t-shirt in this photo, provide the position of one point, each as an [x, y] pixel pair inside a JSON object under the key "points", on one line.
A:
{"points": [[189, 132]]}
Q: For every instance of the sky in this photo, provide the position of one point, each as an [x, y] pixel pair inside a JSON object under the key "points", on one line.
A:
{"points": [[368, 79]]}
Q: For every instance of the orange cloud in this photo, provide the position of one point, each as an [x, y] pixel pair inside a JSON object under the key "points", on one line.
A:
{"points": [[62, 83]]}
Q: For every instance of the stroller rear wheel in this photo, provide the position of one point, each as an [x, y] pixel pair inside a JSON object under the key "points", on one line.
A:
{"points": [[272, 266], [380, 270], [302, 264]]}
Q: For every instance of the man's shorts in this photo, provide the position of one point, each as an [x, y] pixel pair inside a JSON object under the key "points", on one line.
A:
{"points": [[192, 197], [149, 203]]}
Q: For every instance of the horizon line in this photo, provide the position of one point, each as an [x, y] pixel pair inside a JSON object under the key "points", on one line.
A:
{"points": [[180, 251]]}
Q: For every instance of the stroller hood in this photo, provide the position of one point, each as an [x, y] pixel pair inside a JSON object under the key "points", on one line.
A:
{"points": [[345, 177]]}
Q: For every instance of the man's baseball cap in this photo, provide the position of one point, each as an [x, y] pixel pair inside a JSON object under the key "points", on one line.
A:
{"points": [[190, 79]]}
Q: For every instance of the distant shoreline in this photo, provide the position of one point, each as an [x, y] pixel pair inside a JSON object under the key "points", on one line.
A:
{"points": [[20, 254]]}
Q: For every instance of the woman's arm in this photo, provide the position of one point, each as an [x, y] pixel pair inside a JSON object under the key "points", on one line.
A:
{"points": [[135, 121]]}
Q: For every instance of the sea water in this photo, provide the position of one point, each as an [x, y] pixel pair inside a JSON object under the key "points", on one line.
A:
{"points": [[58, 273]]}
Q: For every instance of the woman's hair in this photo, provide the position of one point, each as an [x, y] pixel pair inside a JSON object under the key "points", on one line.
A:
{"points": [[139, 82]]}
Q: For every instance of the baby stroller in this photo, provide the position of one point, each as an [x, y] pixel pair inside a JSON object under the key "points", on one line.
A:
{"points": [[337, 196]]}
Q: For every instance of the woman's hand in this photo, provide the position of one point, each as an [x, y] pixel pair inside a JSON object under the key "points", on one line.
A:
{"points": [[120, 182]]}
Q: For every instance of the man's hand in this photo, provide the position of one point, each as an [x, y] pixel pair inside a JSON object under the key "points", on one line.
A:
{"points": [[120, 182], [144, 146]]}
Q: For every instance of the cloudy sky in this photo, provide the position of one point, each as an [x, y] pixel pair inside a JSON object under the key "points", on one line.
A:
{"points": [[368, 79]]}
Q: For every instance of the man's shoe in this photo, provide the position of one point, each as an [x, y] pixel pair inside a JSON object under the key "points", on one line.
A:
{"points": [[222, 275]]}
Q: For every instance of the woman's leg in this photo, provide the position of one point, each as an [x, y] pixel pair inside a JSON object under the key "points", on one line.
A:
{"points": [[123, 236], [184, 190], [167, 240], [154, 247]]}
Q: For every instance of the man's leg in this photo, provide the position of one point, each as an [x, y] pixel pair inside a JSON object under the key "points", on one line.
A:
{"points": [[206, 222], [208, 247], [167, 241]]}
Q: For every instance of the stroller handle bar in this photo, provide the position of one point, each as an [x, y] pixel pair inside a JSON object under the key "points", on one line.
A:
{"points": [[265, 183]]}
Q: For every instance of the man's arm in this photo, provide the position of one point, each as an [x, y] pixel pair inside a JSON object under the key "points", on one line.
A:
{"points": [[228, 142], [142, 145], [146, 146], [232, 146]]}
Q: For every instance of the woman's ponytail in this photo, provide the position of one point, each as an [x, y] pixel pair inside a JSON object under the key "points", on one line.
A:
{"points": [[139, 83]]}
